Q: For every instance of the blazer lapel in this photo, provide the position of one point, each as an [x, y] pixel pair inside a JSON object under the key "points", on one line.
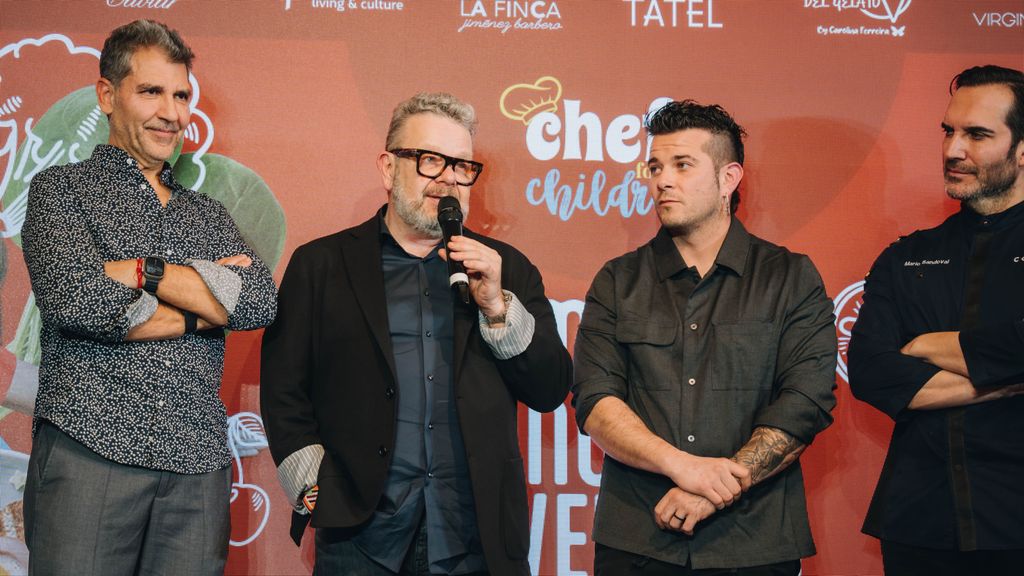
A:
{"points": [[362, 260]]}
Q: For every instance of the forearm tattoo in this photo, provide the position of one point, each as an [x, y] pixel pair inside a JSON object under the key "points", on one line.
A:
{"points": [[768, 452]]}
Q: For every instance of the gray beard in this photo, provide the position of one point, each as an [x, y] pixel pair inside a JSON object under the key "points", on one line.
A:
{"points": [[412, 214]]}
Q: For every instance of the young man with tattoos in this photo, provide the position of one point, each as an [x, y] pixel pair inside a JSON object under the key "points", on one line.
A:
{"points": [[705, 364]]}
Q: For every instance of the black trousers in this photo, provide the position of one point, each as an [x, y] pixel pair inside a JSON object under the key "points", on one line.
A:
{"points": [[902, 560], [613, 562]]}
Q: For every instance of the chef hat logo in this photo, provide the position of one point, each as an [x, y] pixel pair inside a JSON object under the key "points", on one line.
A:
{"points": [[524, 101]]}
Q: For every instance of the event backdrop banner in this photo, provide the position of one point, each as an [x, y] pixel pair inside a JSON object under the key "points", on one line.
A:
{"points": [[842, 100]]}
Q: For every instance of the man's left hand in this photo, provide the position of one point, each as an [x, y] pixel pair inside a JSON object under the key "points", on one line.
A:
{"points": [[483, 266], [680, 511], [939, 348]]}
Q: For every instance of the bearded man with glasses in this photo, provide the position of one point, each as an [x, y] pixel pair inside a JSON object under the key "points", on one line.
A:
{"points": [[390, 405]]}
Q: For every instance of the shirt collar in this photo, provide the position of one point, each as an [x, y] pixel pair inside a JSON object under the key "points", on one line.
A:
{"points": [[386, 238], [120, 162], [975, 222], [732, 254]]}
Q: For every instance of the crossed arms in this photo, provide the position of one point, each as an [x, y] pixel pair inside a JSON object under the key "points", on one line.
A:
{"points": [[951, 386], [80, 292], [933, 370], [182, 288]]}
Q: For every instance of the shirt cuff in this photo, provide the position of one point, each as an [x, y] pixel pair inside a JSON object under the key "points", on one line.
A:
{"points": [[298, 473], [140, 311], [515, 336], [224, 284]]}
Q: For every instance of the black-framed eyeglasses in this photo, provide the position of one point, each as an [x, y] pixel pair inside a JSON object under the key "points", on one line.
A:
{"points": [[430, 164]]}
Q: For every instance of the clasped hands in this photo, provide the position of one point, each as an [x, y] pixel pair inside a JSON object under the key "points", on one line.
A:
{"points": [[702, 487]]}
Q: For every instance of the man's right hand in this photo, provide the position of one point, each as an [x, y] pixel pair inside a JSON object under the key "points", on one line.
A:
{"points": [[720, 480]]}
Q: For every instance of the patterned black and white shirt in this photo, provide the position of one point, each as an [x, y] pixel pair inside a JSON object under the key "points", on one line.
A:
{"points": [[149, 404]]}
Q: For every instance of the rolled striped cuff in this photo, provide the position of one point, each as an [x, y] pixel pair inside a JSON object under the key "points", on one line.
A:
{"points": [[515, 336], [298, 473]]}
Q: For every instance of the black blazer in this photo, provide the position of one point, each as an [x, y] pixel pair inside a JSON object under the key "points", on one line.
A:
{"points": [[328, 377]]}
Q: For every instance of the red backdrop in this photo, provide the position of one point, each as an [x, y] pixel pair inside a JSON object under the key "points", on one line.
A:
{"points": [[841, 98]]}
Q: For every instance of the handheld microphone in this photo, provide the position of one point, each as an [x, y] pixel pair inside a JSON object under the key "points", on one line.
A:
{"points": [[449, 216]]}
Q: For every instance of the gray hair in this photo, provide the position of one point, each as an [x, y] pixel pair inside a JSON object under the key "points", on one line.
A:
{"points": [[124, 41], [440, 103]]}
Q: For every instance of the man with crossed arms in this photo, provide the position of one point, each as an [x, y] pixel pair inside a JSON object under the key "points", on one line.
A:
{"points": [[134, 276], [939, 347]]}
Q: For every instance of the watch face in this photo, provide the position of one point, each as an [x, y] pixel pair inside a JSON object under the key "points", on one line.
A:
{"points": [[154, 267]]}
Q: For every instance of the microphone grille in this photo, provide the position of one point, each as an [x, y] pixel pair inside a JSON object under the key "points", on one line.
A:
{"points": [[449, 209]]}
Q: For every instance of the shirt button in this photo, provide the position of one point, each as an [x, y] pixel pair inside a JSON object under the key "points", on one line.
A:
{"points": [[129, 161], [382, 451], [429, 333], [958, 467], [430, 426], [693, 326], [426, 292], [692, 381], [169, 252], [690, 438], [430, 474], [167, 363], [142, 186], [160, 403], [430, 377], [389, 393]]}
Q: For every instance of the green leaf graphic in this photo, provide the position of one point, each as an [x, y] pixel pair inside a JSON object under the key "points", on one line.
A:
{"points": [[25, 345], [68, 132], [246, 196]]}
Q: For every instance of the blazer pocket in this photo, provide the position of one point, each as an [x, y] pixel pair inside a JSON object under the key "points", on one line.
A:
{"points": [[515, 514], [743, 356], [651, 350]]}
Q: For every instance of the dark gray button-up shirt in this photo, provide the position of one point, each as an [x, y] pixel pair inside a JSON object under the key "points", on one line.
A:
{"points": [[703, 362], [149, 404], [429, 472]]}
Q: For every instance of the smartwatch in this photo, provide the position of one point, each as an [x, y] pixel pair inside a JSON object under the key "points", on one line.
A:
{"points": [[153, 273]]}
